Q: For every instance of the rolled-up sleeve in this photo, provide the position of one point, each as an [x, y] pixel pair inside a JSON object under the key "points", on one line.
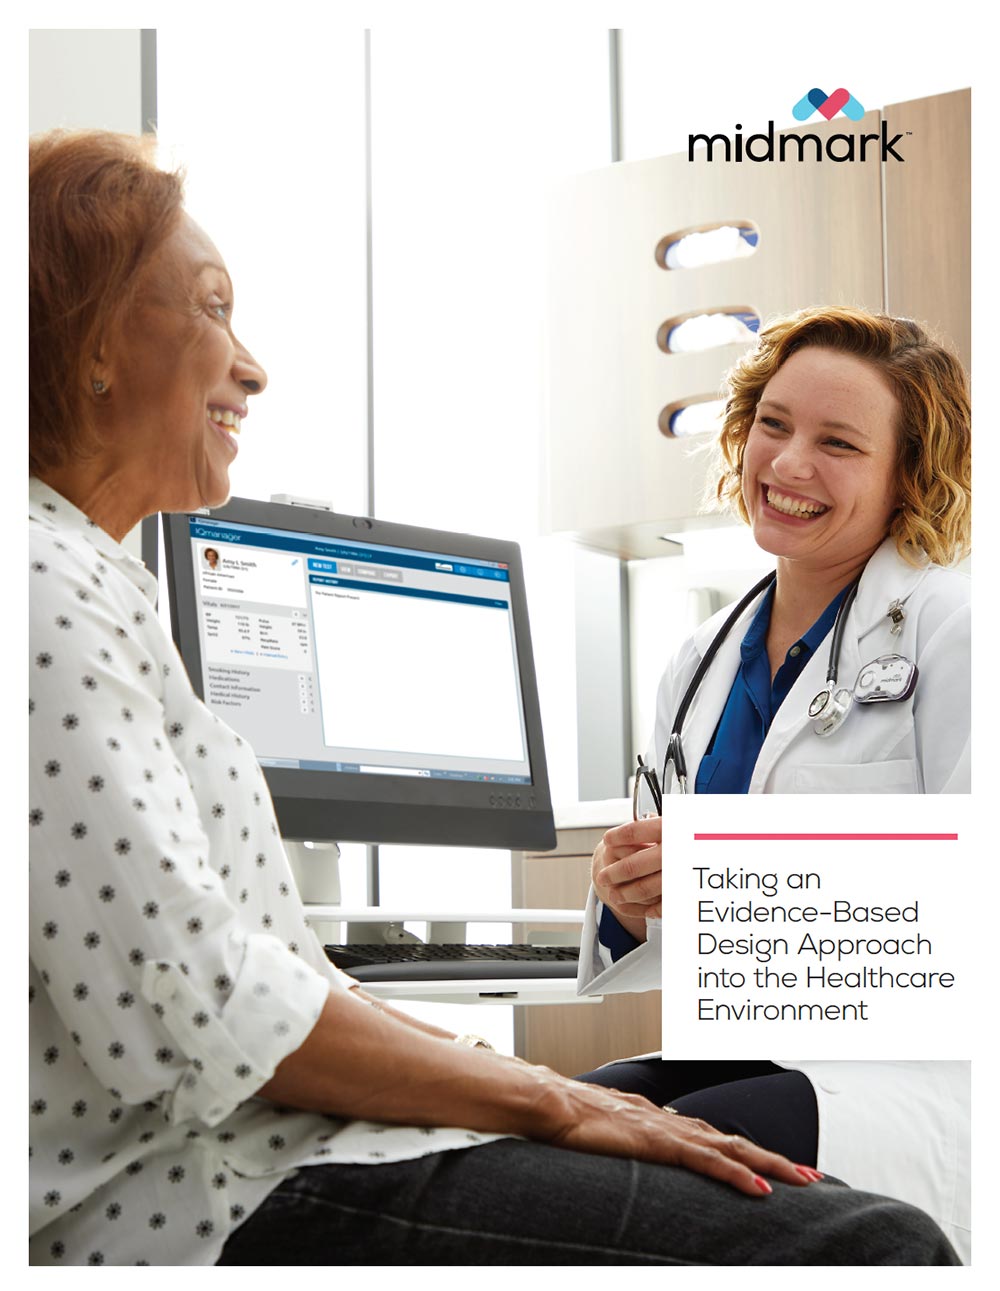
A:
{"points": [[275, 1003]]}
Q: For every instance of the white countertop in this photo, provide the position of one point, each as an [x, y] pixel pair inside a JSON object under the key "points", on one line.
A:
{"points": [[591, 815]]}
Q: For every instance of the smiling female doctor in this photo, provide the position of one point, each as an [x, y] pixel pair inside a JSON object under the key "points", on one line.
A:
{"points": [[846, 447]]}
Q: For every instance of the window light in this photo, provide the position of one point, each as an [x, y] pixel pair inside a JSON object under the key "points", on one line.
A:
{"points": [[707, 246], [692, 417], [708, 330]]}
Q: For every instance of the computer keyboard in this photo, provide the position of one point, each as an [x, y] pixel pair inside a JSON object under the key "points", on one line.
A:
{"points": [[420, 962]]}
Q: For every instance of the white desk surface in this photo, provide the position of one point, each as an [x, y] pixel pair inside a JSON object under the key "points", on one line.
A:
{"points": [[603, 814], [386, 914], [521, 990]]}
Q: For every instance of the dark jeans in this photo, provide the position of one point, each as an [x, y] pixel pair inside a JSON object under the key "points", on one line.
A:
{"points": [[760, 1100], [514, 1202]]}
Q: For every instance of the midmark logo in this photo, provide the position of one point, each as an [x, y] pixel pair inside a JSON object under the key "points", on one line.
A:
{"points": [[828, 105], [804, 147]]}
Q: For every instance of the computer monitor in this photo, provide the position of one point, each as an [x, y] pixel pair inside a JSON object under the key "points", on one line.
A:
{"points": [[383, 673]]}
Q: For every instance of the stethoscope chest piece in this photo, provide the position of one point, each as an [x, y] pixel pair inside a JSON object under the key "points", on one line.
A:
{"points": [[829, 708]]}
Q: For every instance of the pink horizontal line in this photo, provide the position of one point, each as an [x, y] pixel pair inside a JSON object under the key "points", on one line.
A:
{"points": [[700, 838]]}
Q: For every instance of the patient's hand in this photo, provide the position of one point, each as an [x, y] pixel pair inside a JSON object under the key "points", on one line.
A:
{"points": [[590, 1118], [627, 873]]}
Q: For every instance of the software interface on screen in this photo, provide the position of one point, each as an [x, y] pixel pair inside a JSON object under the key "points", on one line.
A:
{"points": [[343, 656]]}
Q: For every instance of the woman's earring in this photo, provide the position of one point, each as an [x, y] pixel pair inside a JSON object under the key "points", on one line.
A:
{"points": [[99, 387]]}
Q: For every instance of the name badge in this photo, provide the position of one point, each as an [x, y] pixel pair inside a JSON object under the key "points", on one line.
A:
{"points": [[889, 679]]}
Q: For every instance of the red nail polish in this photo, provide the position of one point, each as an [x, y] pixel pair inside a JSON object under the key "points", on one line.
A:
{"points": [[807, 1173], [762, 1184]]}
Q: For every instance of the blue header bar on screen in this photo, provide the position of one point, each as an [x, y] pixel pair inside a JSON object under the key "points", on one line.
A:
{"points": [[331, 550]]}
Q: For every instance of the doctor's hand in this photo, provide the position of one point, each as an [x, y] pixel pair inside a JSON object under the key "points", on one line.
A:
{"points": [[627, 873]]}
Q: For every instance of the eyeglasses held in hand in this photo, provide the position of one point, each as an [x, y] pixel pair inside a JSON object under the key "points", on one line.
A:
{"points": [[646, 775]]}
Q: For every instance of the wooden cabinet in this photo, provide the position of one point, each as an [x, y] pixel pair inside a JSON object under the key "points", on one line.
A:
{"points": [[575, 1038], [928, 215]]}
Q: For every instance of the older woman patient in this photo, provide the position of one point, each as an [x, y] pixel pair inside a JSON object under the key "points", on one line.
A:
{"points": [[205, 1087]]}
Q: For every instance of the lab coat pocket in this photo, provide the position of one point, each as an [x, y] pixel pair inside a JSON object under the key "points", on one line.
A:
{"points": [[898, 776]]}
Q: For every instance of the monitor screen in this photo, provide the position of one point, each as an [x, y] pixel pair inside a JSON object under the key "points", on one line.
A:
{"points": [[383, 673]]}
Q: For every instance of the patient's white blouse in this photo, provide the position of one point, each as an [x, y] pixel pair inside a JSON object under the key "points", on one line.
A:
{"points": [[171, 965]]}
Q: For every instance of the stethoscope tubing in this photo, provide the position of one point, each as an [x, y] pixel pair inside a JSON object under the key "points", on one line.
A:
{"points": [[675, 750], [838, 633]]}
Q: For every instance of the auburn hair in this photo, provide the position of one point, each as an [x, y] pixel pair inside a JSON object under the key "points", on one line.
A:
{"points": [[99, 209], [934, 467]]}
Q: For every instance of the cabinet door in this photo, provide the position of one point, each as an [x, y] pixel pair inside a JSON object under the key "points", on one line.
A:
{"points": [[928, 217]]}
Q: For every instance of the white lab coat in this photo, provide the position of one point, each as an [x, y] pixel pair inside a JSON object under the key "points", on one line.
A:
{"points": [[899, 1129], [917, 746]]}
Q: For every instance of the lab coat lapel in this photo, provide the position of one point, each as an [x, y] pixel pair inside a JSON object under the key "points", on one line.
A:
{"points": [[887, 578]]}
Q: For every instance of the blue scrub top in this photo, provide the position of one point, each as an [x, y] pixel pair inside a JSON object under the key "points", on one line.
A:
{"points": [[728, 764]]}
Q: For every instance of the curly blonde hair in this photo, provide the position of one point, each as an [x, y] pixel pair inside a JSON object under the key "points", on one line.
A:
{"points": [[933, 521]]}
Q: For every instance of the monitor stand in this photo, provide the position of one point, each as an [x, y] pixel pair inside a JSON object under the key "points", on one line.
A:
{"points": [[316, 870]]}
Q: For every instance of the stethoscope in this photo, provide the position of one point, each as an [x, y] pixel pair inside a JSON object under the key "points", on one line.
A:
{"points": [[889, 678]]}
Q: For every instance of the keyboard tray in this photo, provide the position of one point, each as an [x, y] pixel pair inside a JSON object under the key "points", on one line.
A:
{"points": [[419, 962]]}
